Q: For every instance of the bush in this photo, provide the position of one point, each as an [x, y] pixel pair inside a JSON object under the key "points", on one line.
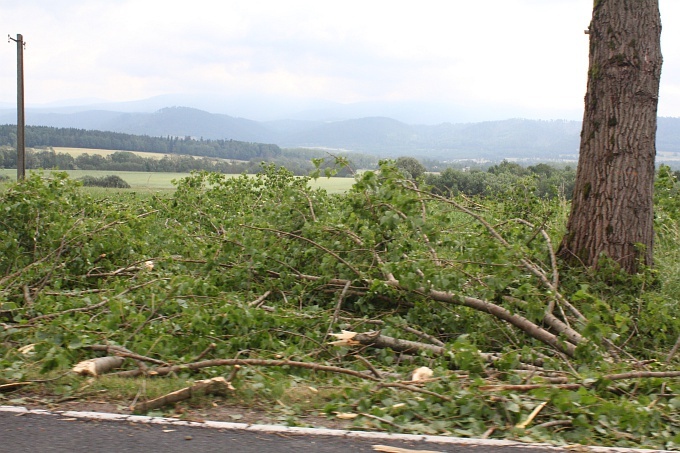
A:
{"points": [[112, 181]]}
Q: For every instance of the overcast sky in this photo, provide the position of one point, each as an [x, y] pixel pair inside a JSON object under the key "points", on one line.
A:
{"points": [[518, 55]]}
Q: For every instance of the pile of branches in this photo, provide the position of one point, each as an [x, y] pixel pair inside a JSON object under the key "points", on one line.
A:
{"points": [[266, 272]]}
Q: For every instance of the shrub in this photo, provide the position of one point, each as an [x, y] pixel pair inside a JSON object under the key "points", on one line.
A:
{"points": [[112, 181]]}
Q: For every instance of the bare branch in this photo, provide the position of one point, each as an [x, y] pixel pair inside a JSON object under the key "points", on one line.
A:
{"points": [[260, 300], [336, 313], [123, 352], [412, 388], [165, 370], [214, 386]]}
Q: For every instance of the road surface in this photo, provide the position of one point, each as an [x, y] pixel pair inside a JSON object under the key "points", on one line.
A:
{"points": [[24, 430]]}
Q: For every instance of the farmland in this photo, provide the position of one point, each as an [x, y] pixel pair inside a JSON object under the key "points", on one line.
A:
{"points": [[75, 152], [157, 181]]}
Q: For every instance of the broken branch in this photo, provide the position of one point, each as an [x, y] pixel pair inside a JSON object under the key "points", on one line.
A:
{"points": [[165, 370], [215, 386]]}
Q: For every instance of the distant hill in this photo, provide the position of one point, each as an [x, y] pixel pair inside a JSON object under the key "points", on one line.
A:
{"points": [[493, 140], [49, 136]]}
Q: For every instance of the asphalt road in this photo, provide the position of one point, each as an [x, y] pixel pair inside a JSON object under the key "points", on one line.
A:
{"points": [[56, 433], [27, 431]]}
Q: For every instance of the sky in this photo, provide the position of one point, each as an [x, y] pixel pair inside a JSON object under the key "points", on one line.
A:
{"points": [[525, 58]]}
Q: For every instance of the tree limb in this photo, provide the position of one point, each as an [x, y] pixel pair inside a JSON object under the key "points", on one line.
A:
{"points": [[165, 370], [215, 386]]}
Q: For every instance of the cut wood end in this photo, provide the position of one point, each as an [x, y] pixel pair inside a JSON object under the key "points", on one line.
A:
{"points": [[421, 374], [346, 415], [95, 367], [212, 380], [345, 338], [28, 349]]}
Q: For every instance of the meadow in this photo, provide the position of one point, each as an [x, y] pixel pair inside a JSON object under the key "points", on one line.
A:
{"points": [[156, 181]]}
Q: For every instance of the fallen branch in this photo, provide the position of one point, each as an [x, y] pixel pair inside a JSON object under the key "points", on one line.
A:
{"points": [[528, 265], [165, 370], [552, 423], [369, 365], [98, 366], [424, 336], [412, 388], [13, 386], [215, 386], [309, 241], [527, 387], [336, 313], [93, 306], [673, 350], [576, 386], [123, 352], [375, 339], [641, 374], [381, 420], [204, 353], [522, 323], [72, 310], [531, 416], [260, 300]]}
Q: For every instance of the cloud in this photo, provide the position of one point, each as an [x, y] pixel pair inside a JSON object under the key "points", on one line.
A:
{"points": [[527, 53]]}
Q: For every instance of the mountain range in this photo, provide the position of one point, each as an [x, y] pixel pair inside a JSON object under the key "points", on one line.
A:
{"points": [[376, 135]]}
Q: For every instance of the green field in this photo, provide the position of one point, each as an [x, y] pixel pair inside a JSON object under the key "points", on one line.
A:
{"points": [[149, 181]]}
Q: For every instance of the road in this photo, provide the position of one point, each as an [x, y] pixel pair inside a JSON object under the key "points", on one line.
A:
{"points": [[41, 431]]}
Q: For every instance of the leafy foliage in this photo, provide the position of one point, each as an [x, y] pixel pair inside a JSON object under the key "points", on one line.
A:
{"points": [[265, 267], [543, 180], [113, 181]]}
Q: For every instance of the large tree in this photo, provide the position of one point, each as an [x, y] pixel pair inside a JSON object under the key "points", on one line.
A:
{"points": [[611, 211]]}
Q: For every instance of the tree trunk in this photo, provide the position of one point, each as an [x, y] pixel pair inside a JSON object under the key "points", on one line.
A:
{"points": [[611, 211]]}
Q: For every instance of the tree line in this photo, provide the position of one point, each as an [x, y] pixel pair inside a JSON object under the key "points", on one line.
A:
{"points": [[542, 180], [45, 136], [122, 161], [299, 162]]}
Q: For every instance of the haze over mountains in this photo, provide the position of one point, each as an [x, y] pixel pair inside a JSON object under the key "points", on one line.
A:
{"points": [[373, 128]]}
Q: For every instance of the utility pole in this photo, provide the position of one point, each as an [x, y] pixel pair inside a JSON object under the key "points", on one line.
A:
{"points": [[21, 121]]}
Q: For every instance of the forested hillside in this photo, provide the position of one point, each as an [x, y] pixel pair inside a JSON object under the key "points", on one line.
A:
{"points": [[382, 136], [43, 136]]}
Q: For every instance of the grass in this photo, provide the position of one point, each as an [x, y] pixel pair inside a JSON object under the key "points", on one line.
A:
{"points": [[156, 181]]}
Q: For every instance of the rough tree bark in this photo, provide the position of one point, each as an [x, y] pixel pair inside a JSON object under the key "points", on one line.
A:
{"points": [[611, 211]]}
